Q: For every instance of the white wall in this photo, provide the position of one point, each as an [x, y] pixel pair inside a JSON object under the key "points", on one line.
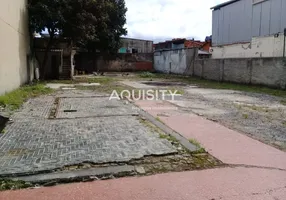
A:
{"points": [[14, 44], [259, 47]]}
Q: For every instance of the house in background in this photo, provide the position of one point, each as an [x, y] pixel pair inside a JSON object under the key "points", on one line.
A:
{"points": [[183, 43], [248, 28], [132, 45], [14, 49], [59, 63], [134, 55]]}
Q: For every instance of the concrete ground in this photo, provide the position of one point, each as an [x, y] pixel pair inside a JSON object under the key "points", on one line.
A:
{"points": [[251, 170]]}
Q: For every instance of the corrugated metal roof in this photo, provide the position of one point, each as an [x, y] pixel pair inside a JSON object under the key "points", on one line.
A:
{"points": [[224, 4]]}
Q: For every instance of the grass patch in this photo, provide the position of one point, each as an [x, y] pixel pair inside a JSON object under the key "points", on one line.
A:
{"points": [[147, 75], [85, 79], [283, 102], [3, 131], [284, 123], [168, 137], [13, 100], [99, 79], [13, 185], [198, 145]]}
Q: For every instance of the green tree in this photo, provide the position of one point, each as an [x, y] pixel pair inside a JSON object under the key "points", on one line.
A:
{"points": [[96, 24], [90, 24], [46, 15]]}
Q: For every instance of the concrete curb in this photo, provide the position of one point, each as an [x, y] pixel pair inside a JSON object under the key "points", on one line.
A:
{"points": [[80, 175], [191, 147]]}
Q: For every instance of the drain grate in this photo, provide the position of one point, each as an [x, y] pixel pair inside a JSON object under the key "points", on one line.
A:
{"points": [[70, 111]]}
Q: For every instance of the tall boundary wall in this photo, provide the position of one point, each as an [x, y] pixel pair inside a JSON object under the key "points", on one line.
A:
{"points": [[259, 71], [14, 50]]}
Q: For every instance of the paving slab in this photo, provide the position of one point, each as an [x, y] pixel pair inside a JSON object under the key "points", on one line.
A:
{"points": [[229, 146], [214, 184], [93, 106]]}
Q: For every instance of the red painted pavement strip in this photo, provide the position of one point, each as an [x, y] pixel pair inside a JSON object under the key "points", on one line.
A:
{"points": [[214, 184], [225, 144]]}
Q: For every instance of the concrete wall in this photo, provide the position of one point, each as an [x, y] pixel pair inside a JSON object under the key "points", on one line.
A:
{"points": [[175, 61], [259, 47], [211, 70], [14, 40], [262, 71]]}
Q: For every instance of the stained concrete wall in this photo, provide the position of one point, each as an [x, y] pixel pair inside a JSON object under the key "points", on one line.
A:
{"points": [[237, 70], [211, 70], [259, 47], [14, 40], [175, 61], [142, 46], [269, 71], [127, 63], [90, 63], [263, 71]]}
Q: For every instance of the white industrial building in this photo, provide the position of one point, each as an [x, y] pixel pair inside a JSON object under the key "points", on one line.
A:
{"points": [[249, 28]]}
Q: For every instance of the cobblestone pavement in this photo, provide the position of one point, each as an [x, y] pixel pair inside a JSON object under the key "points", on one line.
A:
{"points": [[35, 143]]}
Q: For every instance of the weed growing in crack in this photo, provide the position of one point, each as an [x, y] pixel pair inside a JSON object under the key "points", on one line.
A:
{"points": [[158, 119], [198, 145], [245, 116]]}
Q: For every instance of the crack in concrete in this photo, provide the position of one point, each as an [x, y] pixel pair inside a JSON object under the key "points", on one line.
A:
{"points": [[254, 166]]}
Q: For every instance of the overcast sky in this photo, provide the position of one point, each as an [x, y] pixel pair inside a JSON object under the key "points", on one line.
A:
{"points": [[165, 19]]}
